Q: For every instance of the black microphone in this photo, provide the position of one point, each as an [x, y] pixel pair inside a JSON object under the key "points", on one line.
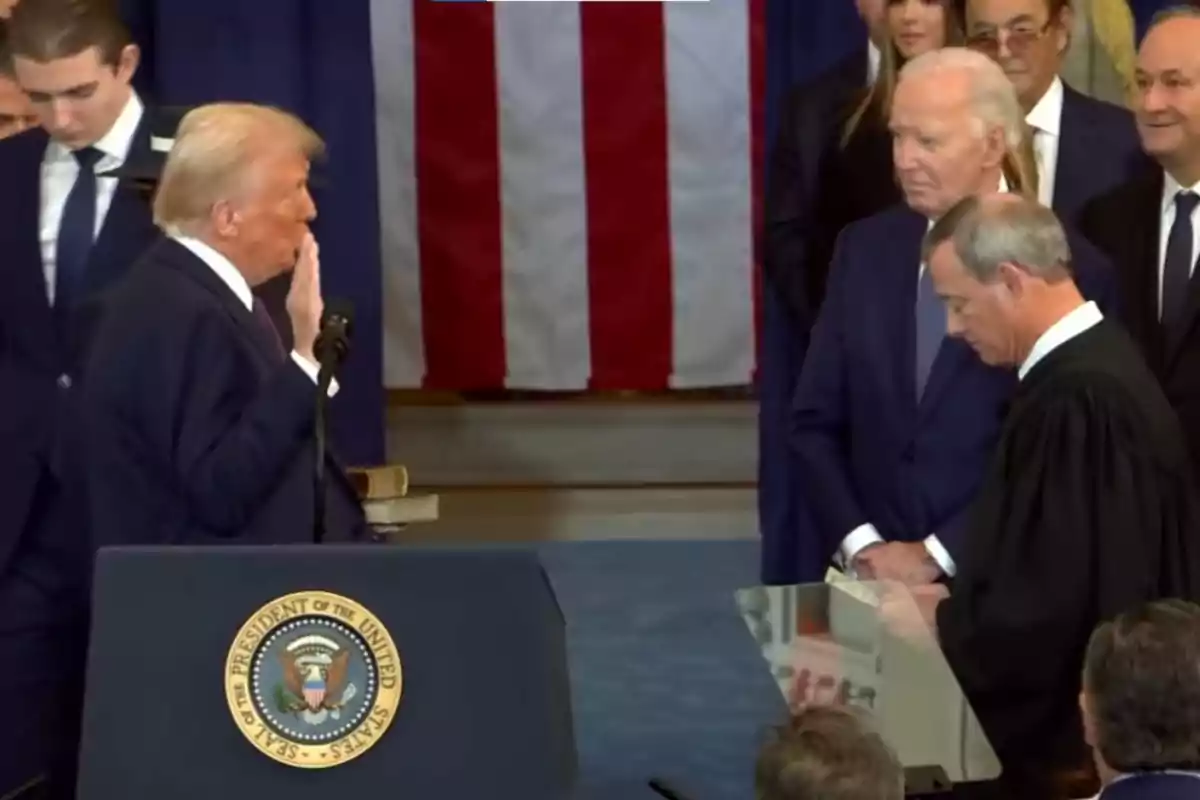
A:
{"points": [[331, 348], [333, 341]]}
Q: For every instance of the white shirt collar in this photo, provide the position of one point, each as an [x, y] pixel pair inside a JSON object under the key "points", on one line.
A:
{"points": [[1061, 332], [221, 265], [1046, 115], [1172, 187], [873, 57], [115, 144]]}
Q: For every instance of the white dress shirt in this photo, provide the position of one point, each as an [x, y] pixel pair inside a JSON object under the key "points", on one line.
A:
{"points": [[1045, 121], [873, 57], [867, 534], [229, 274], [59, 171], [1171, 188], [1061, 332]]}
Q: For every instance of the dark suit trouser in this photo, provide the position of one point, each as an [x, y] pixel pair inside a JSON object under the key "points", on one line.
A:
{"points": [[43, 645]]}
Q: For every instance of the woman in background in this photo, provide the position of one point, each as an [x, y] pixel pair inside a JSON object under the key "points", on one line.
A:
{"points": [[856, 178]]}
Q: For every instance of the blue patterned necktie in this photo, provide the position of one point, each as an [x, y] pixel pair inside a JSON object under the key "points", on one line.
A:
{"points": [[77, 232], [931, 329], [1177, 266]]}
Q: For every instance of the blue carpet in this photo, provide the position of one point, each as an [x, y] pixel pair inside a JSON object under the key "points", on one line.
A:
{"points": [[666, 678]]}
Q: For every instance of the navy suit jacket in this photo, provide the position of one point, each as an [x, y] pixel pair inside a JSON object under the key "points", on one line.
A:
{"points": [[1099, 149], [39, 360], [195, 432], [1153, 786], [869, 451]]}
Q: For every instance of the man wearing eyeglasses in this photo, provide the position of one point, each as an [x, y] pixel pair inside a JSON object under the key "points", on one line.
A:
{"points": [[1083, 146]]}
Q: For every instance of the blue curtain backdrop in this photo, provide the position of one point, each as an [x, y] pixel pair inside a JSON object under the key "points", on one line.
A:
{"points": [[1143, 10], [312, 58], [803, 39]]}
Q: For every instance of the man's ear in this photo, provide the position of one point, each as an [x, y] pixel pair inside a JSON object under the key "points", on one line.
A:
{"points": [[1013, 278], [1089, 725], [1066, 25]]}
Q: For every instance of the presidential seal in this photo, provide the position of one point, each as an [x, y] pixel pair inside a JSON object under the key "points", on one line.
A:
{"points": [[313, 679]]}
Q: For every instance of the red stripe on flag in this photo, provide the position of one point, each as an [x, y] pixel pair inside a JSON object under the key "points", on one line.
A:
{"points": [[625, 157], [758, 85], [458, 194]]}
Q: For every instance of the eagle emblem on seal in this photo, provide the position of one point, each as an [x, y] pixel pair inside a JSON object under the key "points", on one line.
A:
{"points": [[314, 686]]}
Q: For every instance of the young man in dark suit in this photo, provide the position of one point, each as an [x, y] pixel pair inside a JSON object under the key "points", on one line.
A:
{"points": [[1082, 146], [1149, 225], [68, 233], [1141, 702], [199, 425]]}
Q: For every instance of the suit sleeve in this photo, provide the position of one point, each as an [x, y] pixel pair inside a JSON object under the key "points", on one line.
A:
{"points": [[820, 411], [1095, 275], [1077, 540], [789, 206], [230, 455]]}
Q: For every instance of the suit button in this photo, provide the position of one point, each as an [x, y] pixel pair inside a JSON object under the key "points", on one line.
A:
{"points": [[64, 381], [909, 454]]}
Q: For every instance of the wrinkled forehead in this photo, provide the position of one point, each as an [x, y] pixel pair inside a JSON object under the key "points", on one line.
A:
{"points": [[1172, 46], [1006, 13], [938, 99]]}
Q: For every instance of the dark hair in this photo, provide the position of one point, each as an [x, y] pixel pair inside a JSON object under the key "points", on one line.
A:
{"points": [[47, 30], [1141, 677], [827, 752], [5, 54], [876, 100]]}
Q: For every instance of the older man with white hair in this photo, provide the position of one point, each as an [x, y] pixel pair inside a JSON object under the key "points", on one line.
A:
{"points": [[894, 422]]}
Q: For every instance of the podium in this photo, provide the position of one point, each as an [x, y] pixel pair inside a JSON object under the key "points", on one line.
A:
{"points": [[308, 672], [862, 644]]}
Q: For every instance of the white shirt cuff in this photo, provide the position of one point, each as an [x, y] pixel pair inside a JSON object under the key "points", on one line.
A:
{"points": [[855, 541], [313, 371], [939, 553]]}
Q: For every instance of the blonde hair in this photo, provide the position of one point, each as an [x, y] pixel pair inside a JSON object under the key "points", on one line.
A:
{"points": [[877, 98], [993, 103], [214, 147]]}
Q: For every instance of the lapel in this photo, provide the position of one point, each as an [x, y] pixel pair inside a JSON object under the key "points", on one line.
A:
{"points": [[1153, 786], [128, 225], [251, 332], [899, 285], [1074, 153], [28, 287], [1136, 222]]}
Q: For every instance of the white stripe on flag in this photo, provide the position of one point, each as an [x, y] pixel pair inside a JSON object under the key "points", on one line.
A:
{"points": [[395, 134], [543, 196], [708, 99]]}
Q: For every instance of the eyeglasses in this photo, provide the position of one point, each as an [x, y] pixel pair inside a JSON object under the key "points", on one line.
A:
{"points": [[1019, 38]]}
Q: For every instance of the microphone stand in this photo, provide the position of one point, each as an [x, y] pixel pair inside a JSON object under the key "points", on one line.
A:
{"points": [[324, 378]]}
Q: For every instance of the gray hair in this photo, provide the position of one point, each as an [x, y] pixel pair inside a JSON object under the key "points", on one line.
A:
{"points": [[993, 100], [1004, 229]]}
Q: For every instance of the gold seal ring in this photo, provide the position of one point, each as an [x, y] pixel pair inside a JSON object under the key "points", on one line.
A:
{"points": [[313, 679]]}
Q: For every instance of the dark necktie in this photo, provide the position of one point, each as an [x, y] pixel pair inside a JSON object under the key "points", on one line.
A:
{"points": [[77, 232], [1177, 266], [263, 318], [931, 328]]}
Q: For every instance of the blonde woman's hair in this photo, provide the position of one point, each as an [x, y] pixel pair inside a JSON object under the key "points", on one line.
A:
{"points": [[876, 100], [215, 146]]}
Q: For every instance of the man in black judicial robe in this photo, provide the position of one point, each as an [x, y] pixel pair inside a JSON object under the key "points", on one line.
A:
{"points": [[1087, 509]]}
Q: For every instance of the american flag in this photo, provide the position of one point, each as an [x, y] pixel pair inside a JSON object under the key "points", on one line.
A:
{"points": [[568, 193]]}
